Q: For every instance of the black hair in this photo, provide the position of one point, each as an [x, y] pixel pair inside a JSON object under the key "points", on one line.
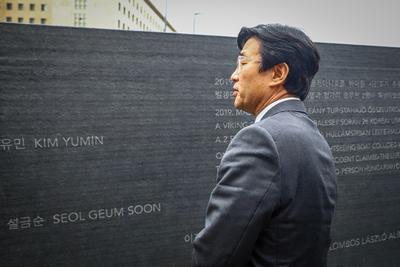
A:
{"points": [[282, 43]]}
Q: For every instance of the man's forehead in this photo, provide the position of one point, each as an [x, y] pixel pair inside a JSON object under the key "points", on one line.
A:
{"points": [[251, 47]]}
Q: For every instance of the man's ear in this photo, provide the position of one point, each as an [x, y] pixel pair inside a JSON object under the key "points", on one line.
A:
{"points": [[279, 74]]}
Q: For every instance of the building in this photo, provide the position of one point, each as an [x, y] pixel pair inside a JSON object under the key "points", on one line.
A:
{"points": [[139, 15]]}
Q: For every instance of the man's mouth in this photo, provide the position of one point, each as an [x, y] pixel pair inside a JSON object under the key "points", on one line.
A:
{"points": [[235, 91]]}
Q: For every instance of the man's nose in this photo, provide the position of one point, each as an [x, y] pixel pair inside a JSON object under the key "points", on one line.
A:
{"points": [[235, 75]]}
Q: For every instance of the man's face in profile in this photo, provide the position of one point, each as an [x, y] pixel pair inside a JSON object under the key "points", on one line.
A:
{"points": [[250, 85]]}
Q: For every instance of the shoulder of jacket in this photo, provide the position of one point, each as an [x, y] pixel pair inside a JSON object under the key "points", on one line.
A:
{"points": [[254, 132]]}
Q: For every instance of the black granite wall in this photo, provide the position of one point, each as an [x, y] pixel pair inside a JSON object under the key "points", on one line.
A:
{"points": [[110, 142]]}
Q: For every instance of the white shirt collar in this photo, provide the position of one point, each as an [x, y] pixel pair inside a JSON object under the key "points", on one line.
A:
{"points": [[273, 104]]}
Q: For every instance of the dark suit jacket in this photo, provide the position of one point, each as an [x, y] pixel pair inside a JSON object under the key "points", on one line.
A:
{"points": [[275, 196]]}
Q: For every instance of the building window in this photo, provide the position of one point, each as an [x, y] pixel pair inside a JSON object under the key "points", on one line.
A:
{"points": [[124, 10], [31, 20], [129, 14], [133, 18], [9, 6], [8, 19], [20, 20], [80, 20], [20, 6], [42, 21], [43, 7], [80, 4], [32, 7], [123, 26], [119, 6], [119, 24]]}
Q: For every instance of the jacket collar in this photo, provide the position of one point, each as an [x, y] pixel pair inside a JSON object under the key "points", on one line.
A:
{"points": [[290, 105]]}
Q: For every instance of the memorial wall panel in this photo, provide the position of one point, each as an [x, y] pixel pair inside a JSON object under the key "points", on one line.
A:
{"points": [[110, 142]]}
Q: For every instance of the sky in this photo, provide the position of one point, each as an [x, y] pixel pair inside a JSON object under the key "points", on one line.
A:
{"points": [[362, 22]]}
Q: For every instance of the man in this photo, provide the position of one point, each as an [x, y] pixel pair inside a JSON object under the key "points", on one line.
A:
{"points": [[276, 188]]}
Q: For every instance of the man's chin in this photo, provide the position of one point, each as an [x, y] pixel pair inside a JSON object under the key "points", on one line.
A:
{"points": [[239, 105], [236, 104]]}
